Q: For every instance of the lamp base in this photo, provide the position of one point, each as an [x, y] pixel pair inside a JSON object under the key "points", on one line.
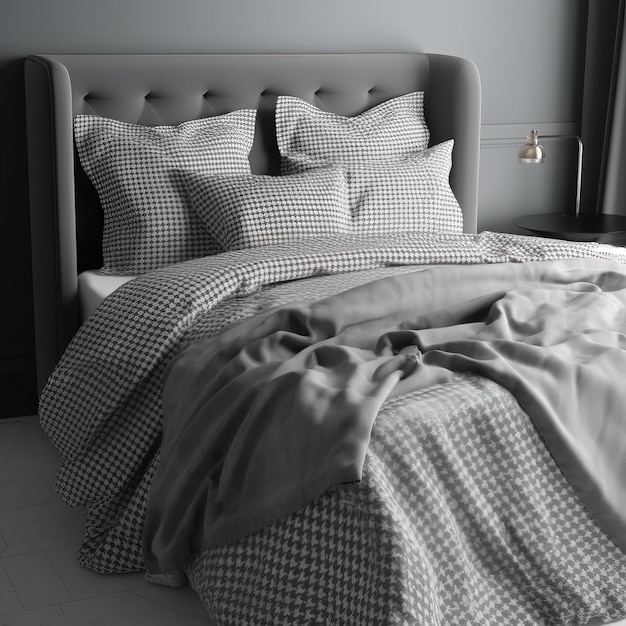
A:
{"points": [[600, 227]]}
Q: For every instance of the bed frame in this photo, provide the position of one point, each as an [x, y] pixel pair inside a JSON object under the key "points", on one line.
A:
{"points": [[66, 217]]}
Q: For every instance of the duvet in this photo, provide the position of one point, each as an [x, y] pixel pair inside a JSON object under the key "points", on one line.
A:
{"points": [[454, 483]]}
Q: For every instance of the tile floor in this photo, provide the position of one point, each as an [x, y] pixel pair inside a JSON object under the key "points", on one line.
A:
{"points": [[40, 581]]}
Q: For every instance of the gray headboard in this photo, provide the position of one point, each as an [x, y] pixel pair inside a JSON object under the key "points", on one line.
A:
{"points": [[66, 219]]}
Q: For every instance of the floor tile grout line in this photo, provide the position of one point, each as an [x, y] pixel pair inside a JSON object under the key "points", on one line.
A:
{"points": [[12, 590], [40, 506], [59, 574], [163, 606]]}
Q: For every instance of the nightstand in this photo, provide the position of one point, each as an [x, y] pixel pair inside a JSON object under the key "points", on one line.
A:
{"points": [[601, 227]]}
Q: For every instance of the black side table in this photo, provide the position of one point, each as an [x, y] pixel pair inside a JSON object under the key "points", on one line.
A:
{"points": [[601, 227]]}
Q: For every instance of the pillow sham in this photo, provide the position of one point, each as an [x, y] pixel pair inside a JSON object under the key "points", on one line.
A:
{"points": [[411, 194], [308, 136], [147, 222], [246, 211]]}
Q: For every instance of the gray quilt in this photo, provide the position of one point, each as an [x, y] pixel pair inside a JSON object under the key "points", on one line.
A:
{"points": [[461, 516]]}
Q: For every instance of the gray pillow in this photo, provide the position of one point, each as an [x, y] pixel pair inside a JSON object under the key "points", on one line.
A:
{"points": [[245, 211], [147, 222]]}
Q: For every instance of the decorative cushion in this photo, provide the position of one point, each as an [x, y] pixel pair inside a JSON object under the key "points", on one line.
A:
{"points": [[147, 222], [253, 210], [410, 194], [309, 137]]}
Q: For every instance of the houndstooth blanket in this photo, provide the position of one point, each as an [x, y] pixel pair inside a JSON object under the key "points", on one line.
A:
{"points": [[462, 517], [101, 407]]}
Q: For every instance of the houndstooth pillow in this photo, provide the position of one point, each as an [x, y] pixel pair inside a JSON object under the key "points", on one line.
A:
{"points": [[309, 137], [394, 182], [411, 194], [245, 211], [147, 223]]}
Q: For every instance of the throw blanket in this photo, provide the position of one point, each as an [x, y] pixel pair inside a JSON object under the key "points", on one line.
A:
{"points": [[268, 415]]}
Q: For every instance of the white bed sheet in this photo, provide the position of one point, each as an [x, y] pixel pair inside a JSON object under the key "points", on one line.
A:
{"points": [[94, 287]]}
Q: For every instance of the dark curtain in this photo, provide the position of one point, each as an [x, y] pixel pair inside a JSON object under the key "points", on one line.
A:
{"points": [[603, 127]]}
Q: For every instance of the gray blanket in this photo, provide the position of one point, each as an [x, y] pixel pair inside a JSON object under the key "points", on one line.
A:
{"points": [[267, 415]]}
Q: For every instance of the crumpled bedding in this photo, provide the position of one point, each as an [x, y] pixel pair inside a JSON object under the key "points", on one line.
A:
{"points": [[102, 408], [279, 407], [462, 517]]}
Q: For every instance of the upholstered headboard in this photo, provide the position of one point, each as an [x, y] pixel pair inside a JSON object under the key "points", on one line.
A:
{"points": [[66, 220]]}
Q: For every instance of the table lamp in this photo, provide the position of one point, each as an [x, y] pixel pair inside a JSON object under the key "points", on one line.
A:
{"points": [[577, 226], [532, 152]]}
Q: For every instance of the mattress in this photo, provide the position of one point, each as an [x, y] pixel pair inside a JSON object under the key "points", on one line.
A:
{"points": [[94, 287]]}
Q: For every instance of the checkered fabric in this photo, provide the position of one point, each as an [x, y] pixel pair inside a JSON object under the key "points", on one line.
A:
{"points": [[394, 183], [391, 130], [252, 210], [462, 517], [411, 194], [147, 223], [101, 408]]}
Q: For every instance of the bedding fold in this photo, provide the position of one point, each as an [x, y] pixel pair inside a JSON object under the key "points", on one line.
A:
{"points": [[277, 408]]}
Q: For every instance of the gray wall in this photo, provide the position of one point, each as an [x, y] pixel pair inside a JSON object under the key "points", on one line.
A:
{"points": [[530, 56]]}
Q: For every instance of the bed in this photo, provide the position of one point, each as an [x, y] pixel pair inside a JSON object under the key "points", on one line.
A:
{"points": [[319, 406]]}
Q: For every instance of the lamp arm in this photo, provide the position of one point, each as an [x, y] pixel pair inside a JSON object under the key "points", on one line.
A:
{"points": [[579, 173]]}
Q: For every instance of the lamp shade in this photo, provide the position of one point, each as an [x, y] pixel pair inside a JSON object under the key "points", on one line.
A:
{"points": [[531, 151]]}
